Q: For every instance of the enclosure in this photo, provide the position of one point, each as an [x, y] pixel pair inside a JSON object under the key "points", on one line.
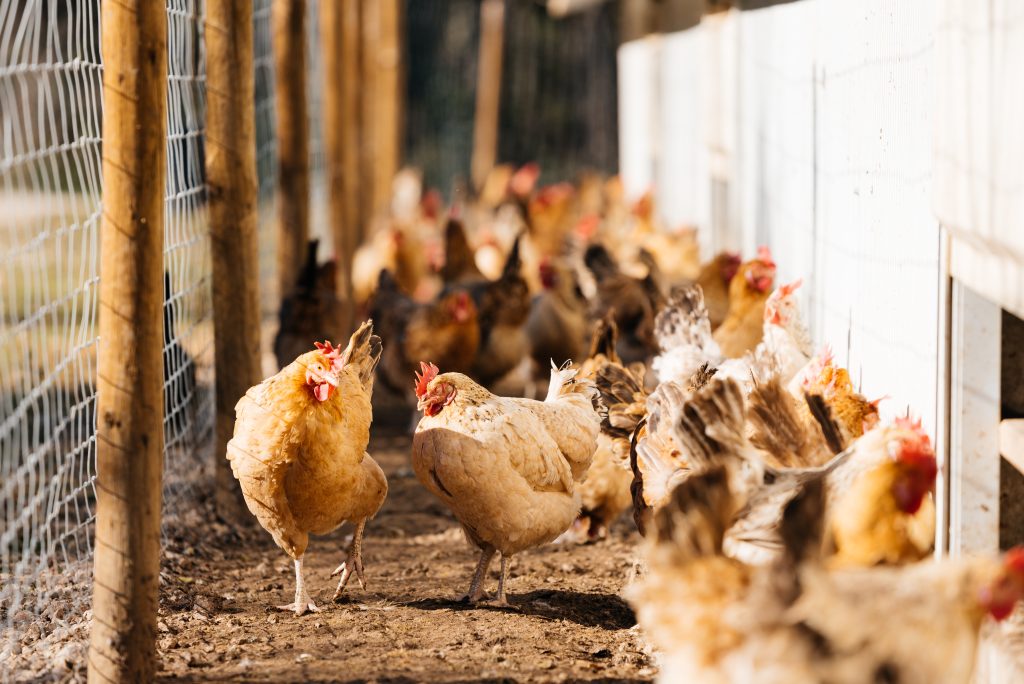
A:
{"points": [[164, 165]]}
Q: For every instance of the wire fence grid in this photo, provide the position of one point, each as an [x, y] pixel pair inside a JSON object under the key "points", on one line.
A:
{"points": [[50, 189]]}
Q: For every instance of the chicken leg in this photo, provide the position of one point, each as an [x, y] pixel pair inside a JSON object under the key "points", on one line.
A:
{"points": [[476, 587], [303, 603], [353, 563], [501, 600]]}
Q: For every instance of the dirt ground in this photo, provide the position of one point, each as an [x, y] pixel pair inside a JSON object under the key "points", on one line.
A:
{"points": [[567, 622]]}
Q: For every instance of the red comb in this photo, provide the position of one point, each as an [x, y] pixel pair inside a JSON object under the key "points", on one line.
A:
{"points": [[1014, 559], [328, 349], [764, 254], [428, 372], [791, 287]]}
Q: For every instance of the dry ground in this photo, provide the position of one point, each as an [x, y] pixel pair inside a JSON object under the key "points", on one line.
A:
{"points": [[568, 622]]}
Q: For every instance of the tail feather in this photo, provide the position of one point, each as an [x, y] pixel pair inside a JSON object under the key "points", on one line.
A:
{"points": [[684, 320], [363, 351], [458, 255], [778, 428], [600, 262], [622, 392], [641, 509], [830, 428], [513, 263], [711, 427], [606, 334], [693, 523]]}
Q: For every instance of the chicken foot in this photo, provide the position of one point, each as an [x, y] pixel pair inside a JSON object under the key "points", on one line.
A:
{"points": [[353, 563], [476, 587], [303, 602]]}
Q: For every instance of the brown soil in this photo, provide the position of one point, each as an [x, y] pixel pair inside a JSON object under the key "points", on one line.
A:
{"points": [[567, 623]]}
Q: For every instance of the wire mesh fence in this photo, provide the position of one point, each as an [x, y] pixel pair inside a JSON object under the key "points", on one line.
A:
{"points": [[558, 100], [50, 188]]}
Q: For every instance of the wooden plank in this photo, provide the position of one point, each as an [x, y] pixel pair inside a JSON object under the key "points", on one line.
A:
{"points": [[288, 18], [388, 94], [352, 116], [130, 396], [974, 421], [232, 190], [488, 91], [1011, 442], [343, 233]]}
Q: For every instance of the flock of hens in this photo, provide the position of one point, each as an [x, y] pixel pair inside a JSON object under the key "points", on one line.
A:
{"points": [[787, 530]]}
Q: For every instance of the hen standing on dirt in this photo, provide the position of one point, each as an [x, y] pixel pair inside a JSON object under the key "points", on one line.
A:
{"points": [[508, 468], [299, 452]]}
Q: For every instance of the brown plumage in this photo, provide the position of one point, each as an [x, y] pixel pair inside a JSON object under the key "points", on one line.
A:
{"points": [[299, 452], [743, 327]]}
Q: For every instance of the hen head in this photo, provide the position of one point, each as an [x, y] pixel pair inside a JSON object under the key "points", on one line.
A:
{"points": [[728, 264], [781, 308], [760, 272], [916, 467], [322, 368], [999, 597], [459, 307], [434, 392]]}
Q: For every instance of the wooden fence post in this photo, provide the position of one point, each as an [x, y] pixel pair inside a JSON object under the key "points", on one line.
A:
{"points": [[388, 68], [369, 34], [488, 91], [232, 188], [352, 117], [130, 430], [289, 42], [334, 115]]}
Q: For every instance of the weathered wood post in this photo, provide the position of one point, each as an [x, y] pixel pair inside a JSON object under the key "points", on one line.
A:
{"points": [[488, 91], [352, 120], [288, 18], [232, 187], [130, 430], [389, 77], [334, 115]]}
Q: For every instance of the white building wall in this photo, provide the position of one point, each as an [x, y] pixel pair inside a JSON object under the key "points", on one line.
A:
{"points": [[816, 114]]}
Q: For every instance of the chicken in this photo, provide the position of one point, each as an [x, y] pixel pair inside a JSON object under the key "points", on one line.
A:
{"points": [[312, 311], [879, 488], [605, 494], [299, 453], [742, 329], [683, 331], [856, 414], [557, 325], [635, 302], [714, 279], [503, 306], [641, 426], [916, 624], [719, 620], [459, 265], [715, 620], [509, 469], [446, 330]]}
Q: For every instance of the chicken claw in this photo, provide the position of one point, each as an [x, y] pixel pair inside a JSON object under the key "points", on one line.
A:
{"points": [[301, 607], [353, 564], [303, 603]]}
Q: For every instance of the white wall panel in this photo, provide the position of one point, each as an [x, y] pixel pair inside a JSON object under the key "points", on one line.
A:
{"points": [[878, 241]]}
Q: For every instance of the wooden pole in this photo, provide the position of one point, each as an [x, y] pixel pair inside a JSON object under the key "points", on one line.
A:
{"points": [[130, 401], [352, 116], [388, 130], [289, 41], [488, 91], [344, 233], [232, 187], [369, 16]]}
